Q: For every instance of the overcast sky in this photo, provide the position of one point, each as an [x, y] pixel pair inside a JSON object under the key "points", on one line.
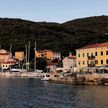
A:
{"points": [[52, 10]]}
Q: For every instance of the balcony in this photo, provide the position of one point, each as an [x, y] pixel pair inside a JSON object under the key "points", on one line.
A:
{"points": [[92, 57], [91, 64]]}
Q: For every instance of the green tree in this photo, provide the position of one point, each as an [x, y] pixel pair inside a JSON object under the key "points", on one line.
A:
{"points": [[41, 64]]}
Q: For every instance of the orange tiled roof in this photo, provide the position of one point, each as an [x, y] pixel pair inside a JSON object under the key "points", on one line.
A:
{"points": [[95, 45]]}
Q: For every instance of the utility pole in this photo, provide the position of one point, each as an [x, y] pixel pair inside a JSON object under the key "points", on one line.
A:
{"points": [[35, 57]]}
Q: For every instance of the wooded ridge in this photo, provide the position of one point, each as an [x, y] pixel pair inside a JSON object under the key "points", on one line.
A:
{"points": [[65, 37]]}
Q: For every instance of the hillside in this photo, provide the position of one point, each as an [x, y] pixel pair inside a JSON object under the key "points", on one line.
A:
{"points": [[64, 37]]}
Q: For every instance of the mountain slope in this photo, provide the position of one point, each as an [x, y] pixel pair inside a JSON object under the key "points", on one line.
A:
{"points": [[64, 37]]}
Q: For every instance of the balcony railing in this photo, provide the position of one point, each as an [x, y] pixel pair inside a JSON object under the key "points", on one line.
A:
{"points": [[92, 57], [91, 64]]}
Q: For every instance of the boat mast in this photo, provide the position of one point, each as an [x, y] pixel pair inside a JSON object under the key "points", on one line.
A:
{"points": [[28, 55], [10, 51], [35, 57]]}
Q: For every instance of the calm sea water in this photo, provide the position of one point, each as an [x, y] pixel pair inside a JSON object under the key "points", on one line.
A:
{"points": [[33, 93]]}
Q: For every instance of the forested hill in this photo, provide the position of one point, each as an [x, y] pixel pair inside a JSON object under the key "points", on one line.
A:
{"points": [[64, 37]]}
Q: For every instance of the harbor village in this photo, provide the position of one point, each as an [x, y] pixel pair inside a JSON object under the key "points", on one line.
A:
{"points": [[88, 66]]}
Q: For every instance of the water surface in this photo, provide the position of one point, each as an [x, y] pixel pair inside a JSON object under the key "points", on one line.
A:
{"points": [[34, 93]]}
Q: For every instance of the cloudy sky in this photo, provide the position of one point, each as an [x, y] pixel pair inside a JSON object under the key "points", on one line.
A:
{"points": [[52, 10]]}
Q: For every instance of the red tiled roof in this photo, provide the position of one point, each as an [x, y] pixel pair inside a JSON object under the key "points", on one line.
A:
{"points": [[72, 57], [95, 45], [11, 62], [4, 53]]}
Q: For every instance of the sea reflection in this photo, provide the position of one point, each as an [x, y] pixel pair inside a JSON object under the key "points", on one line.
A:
{"points": [[33, 93]]}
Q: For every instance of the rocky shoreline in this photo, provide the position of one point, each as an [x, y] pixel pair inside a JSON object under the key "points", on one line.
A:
{"points": [[82, 80], [78, 81]]}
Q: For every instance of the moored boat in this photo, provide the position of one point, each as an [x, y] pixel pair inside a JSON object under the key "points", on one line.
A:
{"points": [[46, 77]]}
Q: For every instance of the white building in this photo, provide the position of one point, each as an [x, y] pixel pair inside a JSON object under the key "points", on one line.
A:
{"points": [[51, 67], [69, 63], [6, 59], [57, 55]]}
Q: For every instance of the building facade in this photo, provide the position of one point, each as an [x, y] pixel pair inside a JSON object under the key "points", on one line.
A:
{"points": [[48, 54], [4, 56], [6, 59], [92, 55], [69, 63], [57, 55], [51, 67], [19, 55]]}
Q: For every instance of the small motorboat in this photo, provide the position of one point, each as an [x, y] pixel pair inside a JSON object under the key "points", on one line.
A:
{"points": [[46, 77]]}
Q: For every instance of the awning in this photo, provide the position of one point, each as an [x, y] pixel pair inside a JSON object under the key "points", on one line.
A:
{"points": [[88, 68]]}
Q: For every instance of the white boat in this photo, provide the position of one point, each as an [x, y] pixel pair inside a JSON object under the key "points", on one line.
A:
{"points": [[15, 70], [46, 77]]}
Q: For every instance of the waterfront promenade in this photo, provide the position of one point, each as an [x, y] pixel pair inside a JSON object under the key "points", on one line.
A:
{"points": [[21, 74], [73, 80]]}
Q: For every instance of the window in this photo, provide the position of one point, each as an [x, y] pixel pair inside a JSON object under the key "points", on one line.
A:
{"points": [[105, 71], [106, 61], [42, 55], [106, 52], [87, 54], [101, 52], [95, 53], [96, 61], [83, 54], [101, 61], [79, 63], [78, 55], [83, 62]]}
